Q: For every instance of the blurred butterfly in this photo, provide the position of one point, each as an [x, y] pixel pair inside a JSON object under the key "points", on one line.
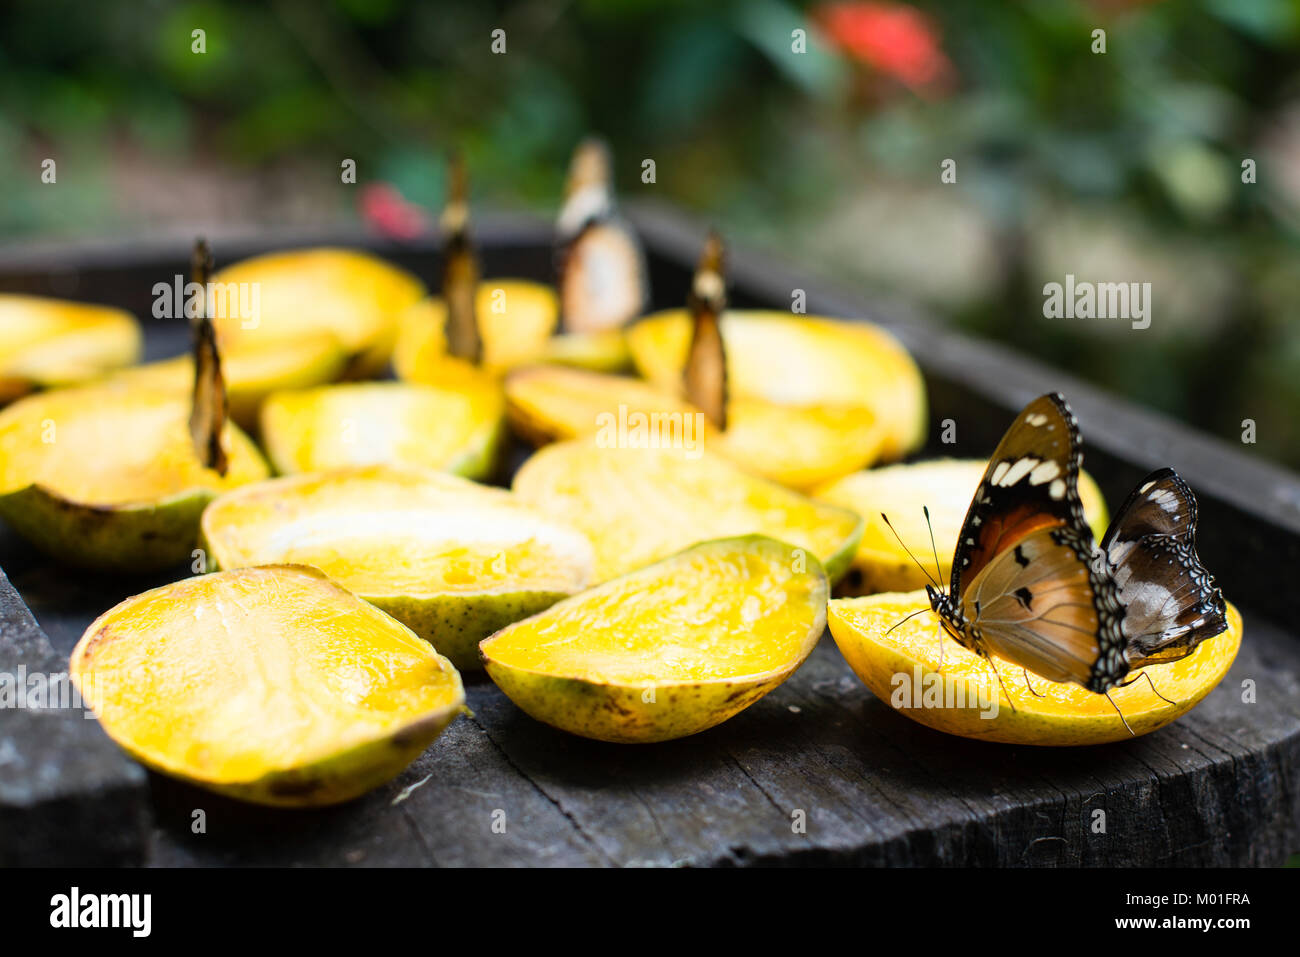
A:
{"points": [[1030, 585]]}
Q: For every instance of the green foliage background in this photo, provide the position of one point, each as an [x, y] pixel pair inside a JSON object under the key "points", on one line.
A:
{"points": [[1115, 167]]}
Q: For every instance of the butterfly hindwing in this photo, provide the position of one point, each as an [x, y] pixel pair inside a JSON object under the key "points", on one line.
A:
{"points": [[1171, 601], [1031, 483]]}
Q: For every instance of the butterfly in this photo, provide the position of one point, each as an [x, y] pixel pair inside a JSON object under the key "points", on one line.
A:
{"points": [[1030, 585]]}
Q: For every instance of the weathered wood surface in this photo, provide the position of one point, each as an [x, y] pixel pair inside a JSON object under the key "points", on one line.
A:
{"points": [[874, 788]]}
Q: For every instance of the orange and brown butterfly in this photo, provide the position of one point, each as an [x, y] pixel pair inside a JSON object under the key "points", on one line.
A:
{"points": [[1029, 584]]}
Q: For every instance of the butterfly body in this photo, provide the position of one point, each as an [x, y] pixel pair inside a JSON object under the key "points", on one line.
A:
{"points": [[1030, 585]]}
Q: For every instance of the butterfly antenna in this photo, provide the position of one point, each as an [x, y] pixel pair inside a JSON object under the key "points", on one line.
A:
{"points": [[919, 611], [938, 568], [1118, 712], [909, 551], [1025, 671]]}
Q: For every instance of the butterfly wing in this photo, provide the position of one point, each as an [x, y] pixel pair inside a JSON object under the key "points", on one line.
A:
{"points": [[1031, 484], [1171, 601], [1049, 605]]}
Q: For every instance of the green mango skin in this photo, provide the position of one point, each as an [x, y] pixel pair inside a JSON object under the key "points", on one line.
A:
{"points": [[455, 623], [126, 539]]}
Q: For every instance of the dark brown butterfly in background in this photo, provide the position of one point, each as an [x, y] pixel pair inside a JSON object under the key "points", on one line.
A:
{"points": [[1030, 585]]}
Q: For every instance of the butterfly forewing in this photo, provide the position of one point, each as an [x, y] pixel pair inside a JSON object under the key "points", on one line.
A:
{"points": [[1031, 484]]}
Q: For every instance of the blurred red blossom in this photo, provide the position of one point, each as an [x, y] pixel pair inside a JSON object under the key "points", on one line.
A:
{"points": [[893, 38], [385, 210]]}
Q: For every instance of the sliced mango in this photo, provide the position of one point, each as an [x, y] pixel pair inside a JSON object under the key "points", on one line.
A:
{"points": [[902, 668], [357, 297], [52, 342], [638, 505], [252, 371], [452, 560], [453, 429], [604, 350], [946, 487], [668, 650], [798, 361], [107, 476], [798, 447], [273, 685], [515, 318]]}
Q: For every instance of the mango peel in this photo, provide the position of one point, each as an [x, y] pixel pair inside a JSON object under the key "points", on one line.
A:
{"points": [[107, 477], [668, 650], [902, 669], [452, 560], [272, 685]]}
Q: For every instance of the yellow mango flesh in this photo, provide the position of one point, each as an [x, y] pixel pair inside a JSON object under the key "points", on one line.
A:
{"points": [[272, 684], [357, 297], [798, 361], [667, 650], [51, 342], [640, 505], [890, 663], [946, 487], [113, 445], [454, 429], [794, 446], [515, 318], [384, 530], [251, 371]]}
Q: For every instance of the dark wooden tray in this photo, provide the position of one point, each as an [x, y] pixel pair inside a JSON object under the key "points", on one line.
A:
{"points": [[1216, 788]]}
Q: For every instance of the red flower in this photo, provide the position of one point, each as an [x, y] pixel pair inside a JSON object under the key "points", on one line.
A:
{"points": [[893, 38], [385, 210]]}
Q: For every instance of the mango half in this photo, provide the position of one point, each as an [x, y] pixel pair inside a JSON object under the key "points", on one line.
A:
{"points": [[902, 669], [454, 428], [357, 297], [800, 361], [107, 477], [272, 685], [668, 650], [51, 342], [946, 487], [451, 560], [796, 446], [640, 505], [517, 320], [252, 371]]}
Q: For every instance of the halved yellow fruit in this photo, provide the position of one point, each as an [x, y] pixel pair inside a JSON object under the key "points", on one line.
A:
{"points": [[638, 505], [53, 342], [946, 487], [795, 446], [901, 667], [107, 476], [670, 649], [603, 350], [272, 685], [252, 371], [515, 318], [454, 429], [452, 560], [798, 361], [357, 297]]}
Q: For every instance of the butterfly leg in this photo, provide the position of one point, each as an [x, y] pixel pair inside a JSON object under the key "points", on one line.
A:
{"points": [[1025, 672], [1147, 675], [1118, 712], [1005, 694]]}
